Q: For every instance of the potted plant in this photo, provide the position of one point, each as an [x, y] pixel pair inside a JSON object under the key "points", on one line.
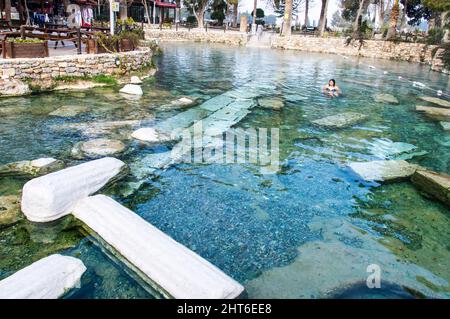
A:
{"points": [[128, 41], [25, 48], [102, 43]]}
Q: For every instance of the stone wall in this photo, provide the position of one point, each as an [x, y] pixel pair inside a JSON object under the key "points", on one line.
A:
{"points": [[412, 52], [402, 51], [196, 35], [438, 64], [74, 65]]}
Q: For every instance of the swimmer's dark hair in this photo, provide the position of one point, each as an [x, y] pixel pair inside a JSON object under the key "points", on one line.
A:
{"points": [[334, 81]]}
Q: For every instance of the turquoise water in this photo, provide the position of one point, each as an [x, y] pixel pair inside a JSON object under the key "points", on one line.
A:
{"points": [[310, 230]]}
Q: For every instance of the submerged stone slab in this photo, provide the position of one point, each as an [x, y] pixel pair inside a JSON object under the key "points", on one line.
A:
{"points": [[445, 126], [166, 264], [434, 184], [50, 197], [217, 103], [339, 261], [48, 278], [97, 128], [436, 101], [97, 147], [383, 170], [36, 167], [341, 120], [69, 110], [385, 98], [181, 120], [132, 89], [275, 104], [78, 85], [387, 149], [436, 113]]}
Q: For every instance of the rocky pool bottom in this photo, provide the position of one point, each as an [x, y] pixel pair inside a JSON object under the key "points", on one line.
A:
{"points": [[309, 231]]}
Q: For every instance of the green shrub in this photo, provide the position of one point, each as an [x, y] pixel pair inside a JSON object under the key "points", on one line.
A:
{"points": [[20, 40], [435, 36], [191, 20]]}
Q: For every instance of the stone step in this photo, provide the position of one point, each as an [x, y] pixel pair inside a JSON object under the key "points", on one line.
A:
{"points": [[170, 267], [48, 278], [381, 171], [434, 184], [436, 113], [50, 197]]}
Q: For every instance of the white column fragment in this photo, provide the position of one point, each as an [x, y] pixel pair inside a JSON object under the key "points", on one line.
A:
{"points": [[180, 272], [50, 197], [48, 278]]}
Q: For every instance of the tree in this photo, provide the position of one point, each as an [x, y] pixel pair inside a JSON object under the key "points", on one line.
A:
{"points": [[363, 4], [336, 19], [349, 9], [381, 10], [306, 12], [218, 10], [8, 10], [323, 17], [144, 2], [259, 13], [235, 4], [416, 11], [439, 9], [198, 9], [287, 18], [393, 19]]}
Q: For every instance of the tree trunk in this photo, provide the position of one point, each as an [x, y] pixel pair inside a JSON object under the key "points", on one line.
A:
{"points": [[393, 19], [235, 13], [123, 10], [287, 19], [403, 21], [28, 22], [144, 2], [358, 20], [8, 10], [306, 12], [323, 17], [381, 12], [199, 15]]}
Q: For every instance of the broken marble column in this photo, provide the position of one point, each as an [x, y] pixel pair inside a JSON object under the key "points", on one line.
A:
{"points": [[34, 168], [48, 278], [435, 184], [177, 271], [50, 197], [381, 171]]}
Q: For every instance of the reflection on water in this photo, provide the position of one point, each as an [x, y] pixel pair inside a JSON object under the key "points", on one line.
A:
{"points": [[305, 232]]}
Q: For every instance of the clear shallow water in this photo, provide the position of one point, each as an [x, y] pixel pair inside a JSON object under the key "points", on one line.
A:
{"points": [[263, 230]]}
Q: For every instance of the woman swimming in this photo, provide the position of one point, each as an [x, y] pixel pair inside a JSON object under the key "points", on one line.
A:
{"points": [[332, 89]]}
